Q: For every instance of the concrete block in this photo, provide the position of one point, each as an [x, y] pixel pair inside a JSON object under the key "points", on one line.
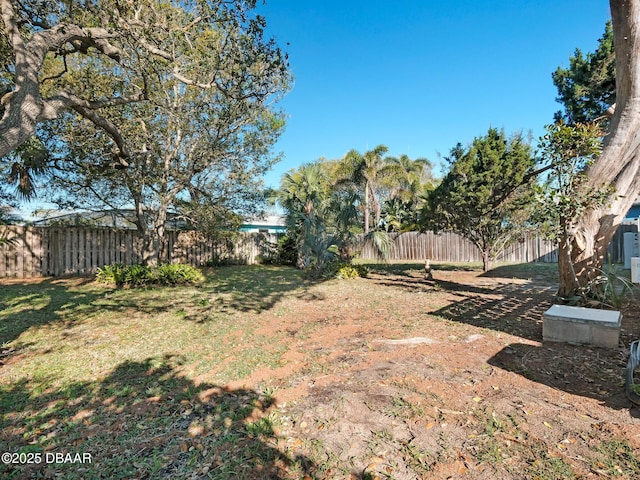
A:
{"points": [[582, 326]]}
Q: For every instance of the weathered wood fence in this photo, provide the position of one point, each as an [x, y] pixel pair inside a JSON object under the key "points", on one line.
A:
{"points": [[450, 247], [54, 251]]}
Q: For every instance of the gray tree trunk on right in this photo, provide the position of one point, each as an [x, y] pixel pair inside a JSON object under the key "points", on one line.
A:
{"points": [[618, 165]]}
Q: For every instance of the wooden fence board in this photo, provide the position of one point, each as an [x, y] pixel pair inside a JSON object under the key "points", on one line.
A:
{"points": [[45, 251]]}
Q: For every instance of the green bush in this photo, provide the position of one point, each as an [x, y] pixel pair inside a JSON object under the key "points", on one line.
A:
{"points": [[345, 270], [112, 274], [140, 275], [287, 251], [177, 274]]}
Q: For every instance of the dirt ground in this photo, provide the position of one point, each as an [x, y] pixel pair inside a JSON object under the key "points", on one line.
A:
{"points": [[447, 379], [387, 377]]}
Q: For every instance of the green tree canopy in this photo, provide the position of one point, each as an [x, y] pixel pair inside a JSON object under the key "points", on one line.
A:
{"points": [[197, 145], [486, 193], [587, 88]]}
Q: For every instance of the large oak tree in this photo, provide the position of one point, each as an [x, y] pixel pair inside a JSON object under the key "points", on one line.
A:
{"points": [[198, 143], [42, 43]]}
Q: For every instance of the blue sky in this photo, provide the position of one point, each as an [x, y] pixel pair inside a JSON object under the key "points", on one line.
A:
{"points": [[420, 76]]}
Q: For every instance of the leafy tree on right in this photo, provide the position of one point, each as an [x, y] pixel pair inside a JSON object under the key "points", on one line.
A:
{"points": [[616, 169], [587, 89]]}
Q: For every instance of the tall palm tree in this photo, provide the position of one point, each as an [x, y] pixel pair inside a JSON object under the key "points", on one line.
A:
{"points": [[304, 193], [364, 171]]}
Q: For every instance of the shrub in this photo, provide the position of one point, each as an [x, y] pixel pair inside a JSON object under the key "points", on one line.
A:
{"points": [[177, 274], [345, 270], [140, 275], [287, 251], [112, 274], [609, 290]]}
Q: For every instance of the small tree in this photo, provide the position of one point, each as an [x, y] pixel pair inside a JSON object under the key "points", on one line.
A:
{"points": [[486, 195], [567, 194]]}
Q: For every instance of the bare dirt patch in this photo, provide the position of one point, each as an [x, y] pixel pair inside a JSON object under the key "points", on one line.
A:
{"points": [[260, 373], [398, 377]]}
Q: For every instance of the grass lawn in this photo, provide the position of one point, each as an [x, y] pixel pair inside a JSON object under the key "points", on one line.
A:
{"points": [[260, 373]]}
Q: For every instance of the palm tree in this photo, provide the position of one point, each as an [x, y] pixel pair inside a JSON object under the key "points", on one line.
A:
{"points": [[411, 178], [25, 163], [364, 172], [305, 193]]}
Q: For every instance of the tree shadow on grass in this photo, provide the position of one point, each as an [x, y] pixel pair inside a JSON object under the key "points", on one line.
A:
{"points": [[255, 288], [538, 272], [33, 304], [579, 370], [228, 290], [417, 268], [515, 309], [144, 420]]}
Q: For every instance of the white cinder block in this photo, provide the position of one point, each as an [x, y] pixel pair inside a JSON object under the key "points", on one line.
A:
{"points": [[579, 325]]}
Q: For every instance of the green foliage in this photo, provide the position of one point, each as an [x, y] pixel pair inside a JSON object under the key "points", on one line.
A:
{"points": [[381, 243], [138, 275], [566, 195], [286, 251], [400, 216], [376, 180], [112, 274], [610, 289], [177, 274], [587, 88], [340, 270], [22, 166], [312, 219], [326, 201], [363, 173], [487, 194], [409, 184], [201, 141], [141, 275]]}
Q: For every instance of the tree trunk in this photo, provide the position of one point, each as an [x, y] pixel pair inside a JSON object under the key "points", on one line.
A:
{"points": [[24, 106], [569, 282], [487, 261], [367, 208], [376, 208], [618, 165], [155, 241]]}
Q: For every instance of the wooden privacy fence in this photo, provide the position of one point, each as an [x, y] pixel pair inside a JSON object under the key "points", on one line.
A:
{"points": [[451, 247], [46, 251]]}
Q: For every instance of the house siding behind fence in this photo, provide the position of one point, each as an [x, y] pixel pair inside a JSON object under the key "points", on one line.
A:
{"points": [[56, 251]]}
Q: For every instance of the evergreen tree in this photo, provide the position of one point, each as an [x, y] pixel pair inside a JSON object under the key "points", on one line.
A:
{"points": [[587, 89], [486, 193]]}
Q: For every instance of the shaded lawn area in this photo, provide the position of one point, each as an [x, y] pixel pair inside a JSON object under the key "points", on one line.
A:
{"points": [[259, 373], [92, 369]]}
